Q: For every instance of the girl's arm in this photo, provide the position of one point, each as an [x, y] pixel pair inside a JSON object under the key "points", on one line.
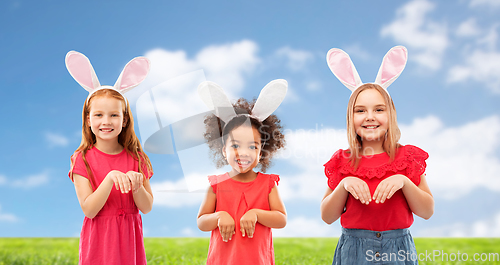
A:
{"points": [[91, 201], [419, 197], [274, 218], [143, 197], [209, 220], [333, 203]]}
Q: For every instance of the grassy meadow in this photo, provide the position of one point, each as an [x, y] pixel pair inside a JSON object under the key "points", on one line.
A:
{"points": [[58, 251]]}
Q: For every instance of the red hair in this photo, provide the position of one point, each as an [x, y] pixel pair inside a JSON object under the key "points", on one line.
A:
{"points": [[127, 137]]}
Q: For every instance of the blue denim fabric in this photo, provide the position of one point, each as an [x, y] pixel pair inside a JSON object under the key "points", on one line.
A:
{"points": [[359, 247]]}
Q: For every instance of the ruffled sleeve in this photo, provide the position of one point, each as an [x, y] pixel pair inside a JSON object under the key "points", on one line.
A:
{"points": [[332, 169], [272, 180], [415, 158], [213, 182]]}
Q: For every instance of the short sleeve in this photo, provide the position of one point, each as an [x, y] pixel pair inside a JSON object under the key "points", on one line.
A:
{"points": [[416, 163], [272, 180], [332, 170], [145, 170], [78, 166], [213, 182]]}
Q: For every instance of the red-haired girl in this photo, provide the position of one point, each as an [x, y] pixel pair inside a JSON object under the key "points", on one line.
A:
{"points": [[109, 169]]}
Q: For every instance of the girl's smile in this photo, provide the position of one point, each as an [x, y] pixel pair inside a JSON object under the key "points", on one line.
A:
{"points": [[242, 150], [106, 119], [371, 119]]}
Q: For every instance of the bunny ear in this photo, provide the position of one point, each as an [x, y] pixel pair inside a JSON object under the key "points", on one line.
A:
{"points": [[214, 97], [393, 64], [269, 99], [342, 67], [133, 74], [81, 70]]}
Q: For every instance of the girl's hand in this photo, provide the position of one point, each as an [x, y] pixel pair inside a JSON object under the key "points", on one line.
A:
{"points": [[121, 180], [247, 223], [358, 188], [136, 179], [226, 225], [387, 187]]}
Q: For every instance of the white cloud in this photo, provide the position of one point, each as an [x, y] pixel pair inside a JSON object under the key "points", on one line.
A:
{"points": [[27, 182], [481, 58], [489, 227], [308, 227], [309, 150], [56, 140], [480, 66], [31, 181], [461, 158], [225, 64], [487, 3], [296, 59], [468, 28], [175, 194], [7, 217], [490, 40], [175, 78], [411, 27]]}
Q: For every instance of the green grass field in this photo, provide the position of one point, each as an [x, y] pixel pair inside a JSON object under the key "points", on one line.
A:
{"points": [[56, 251]]}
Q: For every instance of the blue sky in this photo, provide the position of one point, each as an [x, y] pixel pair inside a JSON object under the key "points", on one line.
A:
{"points": [[447, 99]]}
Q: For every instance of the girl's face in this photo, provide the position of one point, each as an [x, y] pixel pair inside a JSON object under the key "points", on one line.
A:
{"points": [[106, 118], [371, 118], [242, 149]]}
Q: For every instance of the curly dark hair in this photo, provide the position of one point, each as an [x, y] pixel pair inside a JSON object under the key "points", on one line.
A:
{"points": [[271, 133]]}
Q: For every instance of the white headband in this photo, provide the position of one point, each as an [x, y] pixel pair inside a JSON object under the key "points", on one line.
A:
{"points": [[268, 101], [81, 70], [393, 64]]}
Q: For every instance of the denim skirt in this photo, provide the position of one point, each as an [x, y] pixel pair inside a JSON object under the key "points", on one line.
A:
{"points": [[357, 246]]}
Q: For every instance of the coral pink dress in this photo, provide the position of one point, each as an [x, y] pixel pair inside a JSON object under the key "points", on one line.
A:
{"points": [[114, 235], [237, 198]]}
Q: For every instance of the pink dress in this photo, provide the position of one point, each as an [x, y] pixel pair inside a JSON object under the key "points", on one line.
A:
{"points": [[237, 198], [114, 235]]}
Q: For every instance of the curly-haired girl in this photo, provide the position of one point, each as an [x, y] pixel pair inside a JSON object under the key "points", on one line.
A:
{"points": [[242, 205]]}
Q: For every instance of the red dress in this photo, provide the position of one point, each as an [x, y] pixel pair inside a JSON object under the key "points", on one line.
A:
{"points": [[394, 213], [237, 198], [114, 235]]}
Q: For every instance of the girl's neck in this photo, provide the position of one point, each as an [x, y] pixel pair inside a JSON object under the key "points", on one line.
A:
{"points": [[372, 148], [109, 147], [243, 177]]}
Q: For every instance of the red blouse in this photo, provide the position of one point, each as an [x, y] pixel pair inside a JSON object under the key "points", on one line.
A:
{"points": [[394, 213]]}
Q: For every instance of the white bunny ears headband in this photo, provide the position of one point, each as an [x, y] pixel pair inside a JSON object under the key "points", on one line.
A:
{"points": [[268, 101], [82, 71], [393, 64]]}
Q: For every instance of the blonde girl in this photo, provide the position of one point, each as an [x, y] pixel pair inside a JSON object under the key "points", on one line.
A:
{"points": [[376, 185]]}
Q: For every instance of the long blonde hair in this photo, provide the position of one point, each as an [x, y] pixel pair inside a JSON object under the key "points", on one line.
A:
{"points": [[392, 136], [127, 137]]}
